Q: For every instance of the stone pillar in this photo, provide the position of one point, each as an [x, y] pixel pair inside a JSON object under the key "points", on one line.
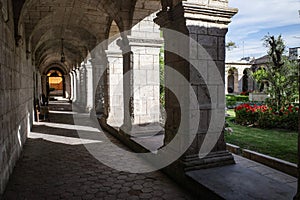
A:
{"points": [[146, 83], [115, 68], [75, 94], [67, 79], [141, 83], [207, 25], [236, 81], [44, 84], [127, 85], [99, 63], [89, 86], [77, 73], [71, 86], [145, 42], [83, 92], [39, 89]]}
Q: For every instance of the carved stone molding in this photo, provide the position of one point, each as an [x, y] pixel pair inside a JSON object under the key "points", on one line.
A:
{"points": [[196, 14], [4, 10], [211, 14]]}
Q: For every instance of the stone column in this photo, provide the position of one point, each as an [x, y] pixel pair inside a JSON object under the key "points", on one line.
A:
{"points": [[89, 86], [127, 85], [75, 94], [83, 80], [207, 26], [115, 68], [44, 84], [145, 84], [141, 83], [67, 79], [71, 86], [99, 63], [38, 84], [77, 72]]}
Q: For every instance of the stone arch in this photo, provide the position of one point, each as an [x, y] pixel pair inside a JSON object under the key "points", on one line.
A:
{"points": [[55, 81], [42, 12], [74, 54], [84, 30], [58, 66], [141, 13], [245, 80], [63, 74], [17, 9], [74, 33], [232, 80], [109, 8]]}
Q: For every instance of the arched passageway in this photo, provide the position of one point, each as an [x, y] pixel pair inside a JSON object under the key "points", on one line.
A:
{"points": [[55, 83], [102, 56], [232, 81]]}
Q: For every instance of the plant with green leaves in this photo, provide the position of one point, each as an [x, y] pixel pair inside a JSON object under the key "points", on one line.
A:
{"points": [[162, 76], [281, 74]]}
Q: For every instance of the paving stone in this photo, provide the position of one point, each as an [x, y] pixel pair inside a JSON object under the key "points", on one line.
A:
{"points": [[53, 170], [145, 196]]}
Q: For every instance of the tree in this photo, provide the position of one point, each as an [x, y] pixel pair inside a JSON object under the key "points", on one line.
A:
{"points": [[230, 45], [280, 73]]}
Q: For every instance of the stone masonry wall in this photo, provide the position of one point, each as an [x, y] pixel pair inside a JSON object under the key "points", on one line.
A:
{"points": [[146, 42], [16, 98]]}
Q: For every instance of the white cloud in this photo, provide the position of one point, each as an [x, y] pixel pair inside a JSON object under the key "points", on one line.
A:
{"points": [[255, 15], [255, 19], [255, 48], [252, 48]]}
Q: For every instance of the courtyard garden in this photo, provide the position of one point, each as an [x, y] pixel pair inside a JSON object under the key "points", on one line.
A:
{"points": [[275, 142], [269, 127]]}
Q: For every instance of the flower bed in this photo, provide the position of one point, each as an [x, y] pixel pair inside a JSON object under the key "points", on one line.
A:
{"points": [[264, 117]]}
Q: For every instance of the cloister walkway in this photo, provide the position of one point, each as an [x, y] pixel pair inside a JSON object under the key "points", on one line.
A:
{"points": [[55, 165]]}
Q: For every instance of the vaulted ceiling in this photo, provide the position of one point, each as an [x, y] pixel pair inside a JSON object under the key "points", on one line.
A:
{"points": [[81, 23]]}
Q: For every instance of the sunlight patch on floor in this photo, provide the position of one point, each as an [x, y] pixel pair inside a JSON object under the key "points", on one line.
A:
{"points": [[61, 139]]}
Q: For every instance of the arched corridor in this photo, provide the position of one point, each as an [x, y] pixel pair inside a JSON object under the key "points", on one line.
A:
{"points": [[100, 64], [49, 167]]}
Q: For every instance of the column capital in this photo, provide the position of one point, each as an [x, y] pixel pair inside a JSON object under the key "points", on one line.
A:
{"points": [[215, 13], [124, 45], [82, 67], [98, 56]]}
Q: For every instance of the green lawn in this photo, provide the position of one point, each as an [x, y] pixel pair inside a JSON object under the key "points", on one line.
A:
{"points": [[277, 143]]}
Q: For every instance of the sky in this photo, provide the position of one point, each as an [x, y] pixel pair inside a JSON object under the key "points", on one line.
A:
{"points": [[257, 18]]}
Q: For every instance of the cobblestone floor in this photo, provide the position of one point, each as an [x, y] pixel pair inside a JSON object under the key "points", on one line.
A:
{"points": [[55, 165]]}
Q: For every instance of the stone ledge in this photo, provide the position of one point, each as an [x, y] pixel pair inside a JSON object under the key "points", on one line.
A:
{"points": [[213, 159], [234, 149], [275, 163], [237, 182]]}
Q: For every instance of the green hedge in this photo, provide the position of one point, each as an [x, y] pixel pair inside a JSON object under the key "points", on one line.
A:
{"points": [[234, 100]]}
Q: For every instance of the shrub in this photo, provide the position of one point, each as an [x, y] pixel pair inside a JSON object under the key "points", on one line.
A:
{"points": [[264, 116], [247, 114], [234, 100]]}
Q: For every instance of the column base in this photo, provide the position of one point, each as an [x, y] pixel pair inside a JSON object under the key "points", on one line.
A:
{"points": [[213, 159], [297, 197], [142, 130]]}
